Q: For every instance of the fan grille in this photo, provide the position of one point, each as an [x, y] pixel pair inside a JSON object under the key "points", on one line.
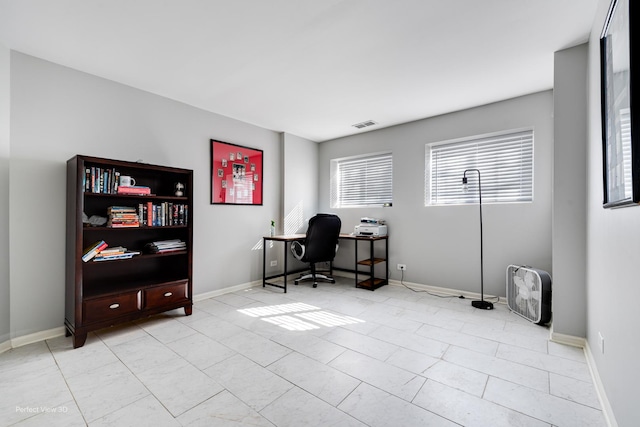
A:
{"points": [[524, 292]]}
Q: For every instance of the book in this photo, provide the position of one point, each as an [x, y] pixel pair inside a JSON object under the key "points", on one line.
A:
{"points": [[93, 250], [149, 214], [124, 255], [164, 246], [134, 190], [123, 224], [141, 216], [121, 209], [87, 179], [92, 246], [116, 181], [112, 250], [105, 181]]}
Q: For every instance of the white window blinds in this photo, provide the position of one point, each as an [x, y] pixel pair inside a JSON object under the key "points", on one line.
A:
{"points": [[505, 162], [362, 181]]}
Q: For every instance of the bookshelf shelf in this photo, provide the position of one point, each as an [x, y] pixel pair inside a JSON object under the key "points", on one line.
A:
{"points": [[135, 196], [100, 294], [135, 258], [101, 230]]}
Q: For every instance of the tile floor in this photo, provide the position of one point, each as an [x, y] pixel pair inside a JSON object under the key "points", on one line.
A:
{"points": [[330, 356]]}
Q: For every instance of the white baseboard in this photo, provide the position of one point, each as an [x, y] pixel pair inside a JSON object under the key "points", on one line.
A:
{"points": [[602, 396], [37, 337], [218, 292], [5, 346], [568, 340], [593, 369]]}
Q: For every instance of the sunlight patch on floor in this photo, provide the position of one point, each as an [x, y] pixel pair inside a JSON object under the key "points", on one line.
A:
{"points": [[271, 310], [305, 317], [329, 319], [291, 323]]}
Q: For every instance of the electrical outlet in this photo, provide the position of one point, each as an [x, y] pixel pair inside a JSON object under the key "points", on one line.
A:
{"points": [[402, 267], [601, 342], [274, 263]]}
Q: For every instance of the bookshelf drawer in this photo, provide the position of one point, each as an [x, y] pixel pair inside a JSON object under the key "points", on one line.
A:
{"points": [[166, 295], [105, 308]]}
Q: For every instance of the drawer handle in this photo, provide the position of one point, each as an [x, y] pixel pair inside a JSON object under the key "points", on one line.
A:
{"points": [[114, 306], [168, 294]]}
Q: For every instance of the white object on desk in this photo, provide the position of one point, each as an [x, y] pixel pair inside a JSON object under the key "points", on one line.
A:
{"points": [[374, 230]]}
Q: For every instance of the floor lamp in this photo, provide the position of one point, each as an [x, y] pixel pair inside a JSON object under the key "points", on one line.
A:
{"points": [[485, 305]]}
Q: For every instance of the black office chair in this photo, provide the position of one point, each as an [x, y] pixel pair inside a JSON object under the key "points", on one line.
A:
{"points": [[319, 245]]}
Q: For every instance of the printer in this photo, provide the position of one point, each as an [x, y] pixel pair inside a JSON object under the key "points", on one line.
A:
{"points": [[370, 227]]}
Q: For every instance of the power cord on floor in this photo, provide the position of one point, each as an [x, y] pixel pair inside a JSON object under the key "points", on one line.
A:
{"points": [[424, 290], [497, 299]]}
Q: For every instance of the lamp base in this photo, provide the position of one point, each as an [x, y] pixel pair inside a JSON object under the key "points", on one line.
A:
{"points": [[485, 305]]}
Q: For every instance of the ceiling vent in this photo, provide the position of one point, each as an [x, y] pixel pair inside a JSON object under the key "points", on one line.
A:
{"points": [[364, 124]]}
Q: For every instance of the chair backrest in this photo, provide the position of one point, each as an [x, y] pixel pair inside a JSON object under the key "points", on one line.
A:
{"points": [[322, 238]]}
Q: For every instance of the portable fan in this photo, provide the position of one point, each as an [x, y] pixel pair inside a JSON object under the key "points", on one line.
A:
{"points": [[529, 293]]}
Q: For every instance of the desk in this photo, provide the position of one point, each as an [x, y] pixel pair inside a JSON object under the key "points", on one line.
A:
{"points": [[372, 283]]}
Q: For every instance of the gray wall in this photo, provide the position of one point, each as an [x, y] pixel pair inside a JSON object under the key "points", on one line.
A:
{"points": [[613, 251], [5, 308], [57, 112], [440, 244], [299, 191], [569, 191], [300, 181]]}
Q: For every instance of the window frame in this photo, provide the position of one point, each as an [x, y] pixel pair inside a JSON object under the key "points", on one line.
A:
{"points": [[336, 183], [488, 194]]}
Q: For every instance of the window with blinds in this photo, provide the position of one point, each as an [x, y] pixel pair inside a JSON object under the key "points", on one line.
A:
{"points": [[362, 181], [505, 162]]}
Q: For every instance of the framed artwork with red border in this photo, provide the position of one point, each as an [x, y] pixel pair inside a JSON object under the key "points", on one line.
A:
{"points": [[236, 174]]}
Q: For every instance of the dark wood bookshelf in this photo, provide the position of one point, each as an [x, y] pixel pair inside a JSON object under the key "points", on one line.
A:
{"points": [[100, 294]]}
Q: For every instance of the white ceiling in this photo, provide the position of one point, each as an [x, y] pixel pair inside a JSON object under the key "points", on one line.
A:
{"points": [[311, 68]]}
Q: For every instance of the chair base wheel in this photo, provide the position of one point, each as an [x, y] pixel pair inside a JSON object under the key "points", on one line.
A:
{"points": [[317, 277]]}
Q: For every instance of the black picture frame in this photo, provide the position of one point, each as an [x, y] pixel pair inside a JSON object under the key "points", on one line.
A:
{"points": [[619, 88]]}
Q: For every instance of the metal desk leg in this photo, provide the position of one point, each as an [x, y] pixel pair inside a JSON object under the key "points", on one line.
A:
{"points": [[355, 242], [371, 259], [285, 267], [264, 261], [386, 259]]}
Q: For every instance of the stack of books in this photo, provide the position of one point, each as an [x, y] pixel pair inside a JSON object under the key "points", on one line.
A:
{"points": [[93, 250], [134, 190], [122, 216], [118, 252], [164, 246]]}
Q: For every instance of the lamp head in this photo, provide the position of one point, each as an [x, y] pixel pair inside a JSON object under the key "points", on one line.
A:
{"points": [[465, 186]]}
